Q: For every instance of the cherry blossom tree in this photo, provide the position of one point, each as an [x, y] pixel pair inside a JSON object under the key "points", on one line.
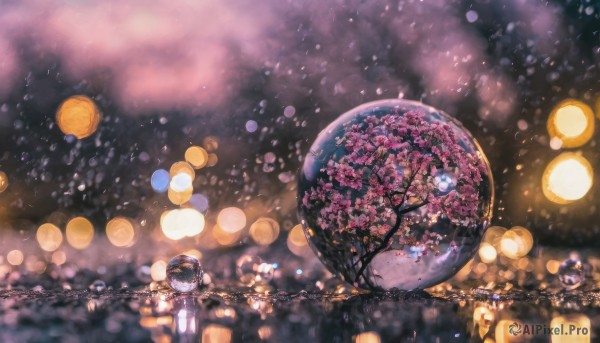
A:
{"points": [[396, 170]]}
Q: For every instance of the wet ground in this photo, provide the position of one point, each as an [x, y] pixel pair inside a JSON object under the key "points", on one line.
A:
{"points": [[118, 315]]}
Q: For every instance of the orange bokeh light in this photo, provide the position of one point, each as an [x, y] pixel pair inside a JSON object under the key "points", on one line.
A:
{"points": [[78, 116]]}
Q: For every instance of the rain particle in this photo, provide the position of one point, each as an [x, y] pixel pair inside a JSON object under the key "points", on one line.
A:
{"points": [[251, 125], [289, 111], [472, 16]]}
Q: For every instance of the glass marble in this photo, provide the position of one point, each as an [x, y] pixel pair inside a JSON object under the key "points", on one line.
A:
{"points": [[395, 194], [264, 273], [571, 273], [184, 273], [247, 268], [98, 286], [143, 274]]}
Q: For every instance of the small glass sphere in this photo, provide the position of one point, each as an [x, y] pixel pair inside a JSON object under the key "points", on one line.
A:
{"points": [[247, 269], [98, 286], [571, 273], [264, 273], [143, 274], [184, 273], [395, 194]]}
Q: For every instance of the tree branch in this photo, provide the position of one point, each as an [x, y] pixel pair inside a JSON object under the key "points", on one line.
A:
{"points": [[368, 257], [412, 208]]}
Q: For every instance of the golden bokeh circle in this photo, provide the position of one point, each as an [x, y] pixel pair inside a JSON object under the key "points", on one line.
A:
{"points": [[79, 232], [516, 242], [15, 257], [49, 237], [213, 159], [487, 253], [120, 232], [297, 236], [158, 270], [225, 238], [216, 333], [179, 198], [296, 241], [231, 219], [264, 231], [182, 167], [572, 122], [493, 235], [196, 156], [210, 143], [567, 178], [3, 181], [180, 223], [78, 116]]}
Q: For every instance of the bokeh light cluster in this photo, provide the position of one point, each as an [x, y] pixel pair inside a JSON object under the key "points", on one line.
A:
{"points": [[569, 176]]}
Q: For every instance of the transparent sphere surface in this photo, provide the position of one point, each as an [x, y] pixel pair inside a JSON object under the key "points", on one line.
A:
{"points": [[395, 194], [571, 273], [184, 273], [98, 286]]}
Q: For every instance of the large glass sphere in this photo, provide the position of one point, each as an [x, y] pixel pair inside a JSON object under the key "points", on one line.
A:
{"points": [[395, 194]]}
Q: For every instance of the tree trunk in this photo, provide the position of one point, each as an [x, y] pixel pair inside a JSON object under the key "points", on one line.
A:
{"points": [[368, 257]]}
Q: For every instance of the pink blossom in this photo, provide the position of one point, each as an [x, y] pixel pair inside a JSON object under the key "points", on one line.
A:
{"points": [[391, 162]]}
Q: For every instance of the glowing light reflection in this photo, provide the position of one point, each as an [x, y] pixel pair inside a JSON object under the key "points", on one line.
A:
{"points": [[78, 116], [49, 237], [79, 232], [196, 156], [199, 202], [178, 224], [158, 270], [516, 242], [567, 178], [181, 183], [3, 181], [367, 337], [15, 257], [160, 180], [180, 198], [296, 241], [578, 326], [487, 253], [223, 237], [216, 333], [264, 231], [182, 167], [572, 122], [120, 232], [231, 219]]}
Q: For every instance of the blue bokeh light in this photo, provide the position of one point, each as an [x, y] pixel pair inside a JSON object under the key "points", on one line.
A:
{"points": [[199, 202], [160, 180]]}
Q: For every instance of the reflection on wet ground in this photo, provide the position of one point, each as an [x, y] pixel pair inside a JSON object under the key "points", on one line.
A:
{"points": [[246, 316]]}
